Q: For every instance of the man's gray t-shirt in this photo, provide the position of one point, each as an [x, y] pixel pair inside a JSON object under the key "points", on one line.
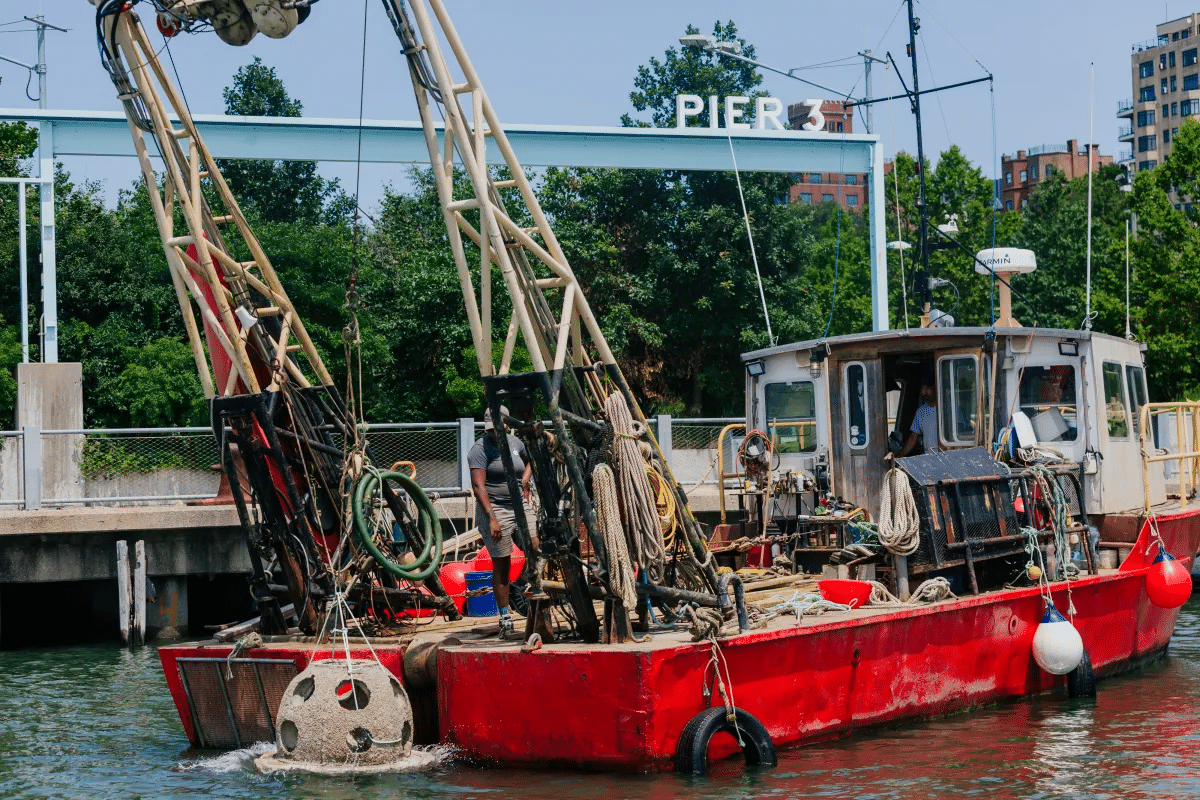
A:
{"points": [[485, 455]]}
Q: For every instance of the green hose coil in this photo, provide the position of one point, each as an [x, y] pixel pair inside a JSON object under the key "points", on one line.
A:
{"points": [[430, 557]]}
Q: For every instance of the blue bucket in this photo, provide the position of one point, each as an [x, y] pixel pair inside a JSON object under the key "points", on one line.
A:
{"points": [[485, 604]]}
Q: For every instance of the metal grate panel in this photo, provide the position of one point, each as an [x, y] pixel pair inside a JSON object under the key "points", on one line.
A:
{"points": [[233, 702]]}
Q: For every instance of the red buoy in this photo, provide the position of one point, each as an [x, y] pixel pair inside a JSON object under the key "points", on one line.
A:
{"points": [[454, 580], [1168, 584]]}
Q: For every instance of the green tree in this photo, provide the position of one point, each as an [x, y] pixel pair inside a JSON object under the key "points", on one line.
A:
{"points": [[278, 191]]}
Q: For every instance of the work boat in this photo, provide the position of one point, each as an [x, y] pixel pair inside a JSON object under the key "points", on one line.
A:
{"points": [[1027, 551]]}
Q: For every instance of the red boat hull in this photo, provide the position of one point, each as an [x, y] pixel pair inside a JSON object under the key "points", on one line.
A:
{"points": [[624, 707]]}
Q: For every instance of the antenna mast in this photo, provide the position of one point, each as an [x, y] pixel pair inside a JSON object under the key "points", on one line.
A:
{"points": [[922, 276]]}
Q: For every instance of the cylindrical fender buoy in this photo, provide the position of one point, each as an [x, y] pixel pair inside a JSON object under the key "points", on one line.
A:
{"points": [[691, 752], [1081, 681]]}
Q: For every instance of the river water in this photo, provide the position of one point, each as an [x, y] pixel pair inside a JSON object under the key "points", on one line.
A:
{"points": [[96, 721]]}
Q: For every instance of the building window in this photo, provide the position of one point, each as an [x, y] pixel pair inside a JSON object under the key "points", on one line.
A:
{"points": [[806, 198], [1008, 179], [1185, 108], [1008, 205], [1049, 170], [1174, 86], [826, 198], [1166, 110], [1171, 60], [1175, 36], [1024, 202], [1174, 132], [1191, 82], [1145, 118], [1145, 69], [1147, 143], [1144, 165], [1185, 33], [841, 126], [852, 200], [1146, 93], [1033, 172], [852, 180], [816, 178], [1166, 136], [1024, 176], [1189, 57], [1174, 110], [1162, 61]]}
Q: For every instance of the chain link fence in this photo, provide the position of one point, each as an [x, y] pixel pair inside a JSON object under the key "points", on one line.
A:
{"points": [[141, 466]]}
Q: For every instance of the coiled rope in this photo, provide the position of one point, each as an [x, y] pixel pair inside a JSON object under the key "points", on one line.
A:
{"points": [[930, 591], [899, 524], [637, 498], [430, 557], [608, 518]]}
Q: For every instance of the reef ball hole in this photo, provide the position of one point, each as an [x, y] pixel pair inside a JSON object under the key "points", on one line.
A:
{"points": [[304, 689], [353, 695], [359, 740], [289, 737]]}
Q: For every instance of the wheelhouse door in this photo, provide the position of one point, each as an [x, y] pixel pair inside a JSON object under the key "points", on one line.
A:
{"points": [[859, 432]]}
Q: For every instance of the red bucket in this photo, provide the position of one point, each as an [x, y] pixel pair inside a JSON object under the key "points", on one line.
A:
{"points": [[847, 593]]}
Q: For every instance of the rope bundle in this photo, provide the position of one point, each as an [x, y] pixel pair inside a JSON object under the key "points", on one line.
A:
{"points": [[899, 523], [608, 518], [637, 497], [930, 591]]}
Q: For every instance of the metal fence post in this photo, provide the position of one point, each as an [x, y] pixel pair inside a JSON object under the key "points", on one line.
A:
{"points": [[664, 439], [31, 465], [466, 440]]}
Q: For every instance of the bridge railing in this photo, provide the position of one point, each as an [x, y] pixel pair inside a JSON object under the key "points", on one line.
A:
{"points": [[154, 466]]}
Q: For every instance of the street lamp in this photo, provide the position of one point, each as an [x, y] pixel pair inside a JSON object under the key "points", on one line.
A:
{"points": [[734, 50]]}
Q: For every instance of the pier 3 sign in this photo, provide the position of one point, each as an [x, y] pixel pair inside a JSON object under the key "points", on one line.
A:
{"points": [[767, 111]]}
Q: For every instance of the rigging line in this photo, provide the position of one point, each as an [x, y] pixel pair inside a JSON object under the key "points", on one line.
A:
{"points": [[178, 82], [750, 235], [937, 96], [879, 44], [995, 196], [362, 90], [955, 38]]}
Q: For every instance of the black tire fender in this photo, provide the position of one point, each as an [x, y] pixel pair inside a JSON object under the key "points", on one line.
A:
{"points": [[691, 751], [1081, 681]]}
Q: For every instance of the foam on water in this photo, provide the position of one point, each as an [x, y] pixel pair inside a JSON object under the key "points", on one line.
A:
{"points": [[233, 761]]}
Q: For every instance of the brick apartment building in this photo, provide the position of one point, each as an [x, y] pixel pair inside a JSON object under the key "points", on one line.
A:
{"points": [[829, 187], [1021, 172], [1166, 91]]}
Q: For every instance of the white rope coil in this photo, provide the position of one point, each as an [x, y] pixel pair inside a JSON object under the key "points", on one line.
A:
{"points": [[930, 591], [899, 523], [608, 518], [637, 497]]}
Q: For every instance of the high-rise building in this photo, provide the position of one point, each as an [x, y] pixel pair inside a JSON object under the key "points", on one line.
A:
{"points": [[1021, 172], [1166, 91], [850, 190]]}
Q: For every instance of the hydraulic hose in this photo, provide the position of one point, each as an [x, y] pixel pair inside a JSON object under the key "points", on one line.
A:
{"points": [[430, 557]]}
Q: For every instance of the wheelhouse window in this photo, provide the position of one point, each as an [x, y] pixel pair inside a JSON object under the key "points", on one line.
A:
{"points": [[792, 416], [1114, 401], [1135, 382], [958, 387], [856, 405], [1048, 398]]}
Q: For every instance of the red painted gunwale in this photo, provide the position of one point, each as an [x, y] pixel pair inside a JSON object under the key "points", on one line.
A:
{"points": [[623, 707]]}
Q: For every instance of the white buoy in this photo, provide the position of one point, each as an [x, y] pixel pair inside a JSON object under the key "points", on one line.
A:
{"points": [[1057, 646], [343, 718]]}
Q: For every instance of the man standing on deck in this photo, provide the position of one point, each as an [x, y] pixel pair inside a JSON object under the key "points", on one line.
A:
{"points": [[924, 428], [495, 508]]}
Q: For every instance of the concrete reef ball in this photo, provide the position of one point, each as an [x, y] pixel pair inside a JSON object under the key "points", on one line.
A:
{"points": [[344, 716]]}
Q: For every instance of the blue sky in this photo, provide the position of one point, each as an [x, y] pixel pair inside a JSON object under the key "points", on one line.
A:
{"points": [[572, 63]]}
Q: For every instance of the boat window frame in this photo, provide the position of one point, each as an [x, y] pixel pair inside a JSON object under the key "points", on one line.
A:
{"points": [[1074, 383], [865, 431], [772, 424], [1108, 418], [1141, 399], [946, 404]]}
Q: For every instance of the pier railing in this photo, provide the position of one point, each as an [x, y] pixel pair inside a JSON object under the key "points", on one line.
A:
{"points": [[154, 466]]}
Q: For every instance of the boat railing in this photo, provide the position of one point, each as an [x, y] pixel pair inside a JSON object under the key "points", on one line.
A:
{"points": [[1183, 451], [722, 473]]}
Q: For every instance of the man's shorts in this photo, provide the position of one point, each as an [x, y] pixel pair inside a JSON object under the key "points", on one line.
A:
{"points": [[502, 547]]}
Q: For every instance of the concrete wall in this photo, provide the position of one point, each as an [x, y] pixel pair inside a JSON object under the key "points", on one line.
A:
{"points": [[159, 483], [50, 397]]}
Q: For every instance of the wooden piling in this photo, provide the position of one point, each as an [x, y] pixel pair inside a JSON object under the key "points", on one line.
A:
{"points": [[123, 594], [139, 593]]}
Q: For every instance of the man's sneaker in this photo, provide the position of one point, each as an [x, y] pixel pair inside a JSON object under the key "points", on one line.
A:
{"points": [[506, 627]]}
